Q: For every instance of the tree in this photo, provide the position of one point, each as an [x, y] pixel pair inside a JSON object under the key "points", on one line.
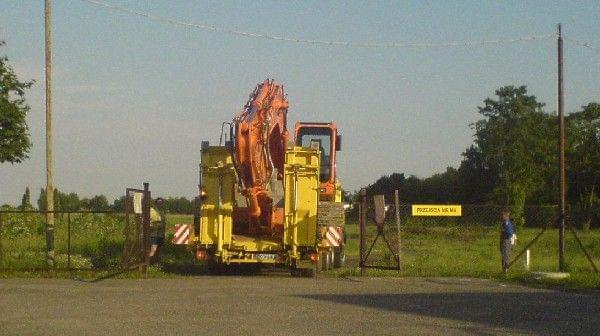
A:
{"points": [[41, 202], [119, 204], [386, 184], [96, 203], [26, 200], [14, 133], [62, 201], [68, 202], [517, 138], [438, 188], [583, 159], [476, 177], [180, 205]]}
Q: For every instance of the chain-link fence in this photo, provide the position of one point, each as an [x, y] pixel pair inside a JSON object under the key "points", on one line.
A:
{"points": [[467, 244], [83, 240]]}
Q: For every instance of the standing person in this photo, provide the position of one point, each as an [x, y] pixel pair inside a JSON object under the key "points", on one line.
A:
{"points": [[507, 238], [157, 228]]}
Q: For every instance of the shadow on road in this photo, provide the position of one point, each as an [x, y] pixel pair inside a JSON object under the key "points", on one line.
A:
{"points": [[109, 275], [539, 312]]}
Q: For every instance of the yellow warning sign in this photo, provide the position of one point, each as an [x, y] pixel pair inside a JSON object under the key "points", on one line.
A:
{"points": [[436, 210]]}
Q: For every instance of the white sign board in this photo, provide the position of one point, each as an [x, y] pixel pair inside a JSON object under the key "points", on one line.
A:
{"points": [[137, 202], [379, 202]]}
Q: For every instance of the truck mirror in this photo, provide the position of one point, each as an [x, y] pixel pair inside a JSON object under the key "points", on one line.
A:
{"points": [[338, 143]]}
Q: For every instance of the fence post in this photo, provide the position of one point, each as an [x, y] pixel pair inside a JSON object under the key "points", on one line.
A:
{"points": [[69, 241], [397, 206], [362, 229], [145, 227], [1, 254]]}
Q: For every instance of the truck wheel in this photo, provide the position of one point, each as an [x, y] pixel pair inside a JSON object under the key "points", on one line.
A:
{"points": [[331, 259], [304, 272], [339, 257], [309, 272], [326, 261], [216, 268], [295, 272], [319, 264]]}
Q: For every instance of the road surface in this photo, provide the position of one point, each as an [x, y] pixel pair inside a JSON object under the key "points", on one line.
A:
{"points": [[280, 305]]}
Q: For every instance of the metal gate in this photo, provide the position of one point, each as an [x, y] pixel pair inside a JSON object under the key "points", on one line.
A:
{"points": [[379, 217], [137, 223]]}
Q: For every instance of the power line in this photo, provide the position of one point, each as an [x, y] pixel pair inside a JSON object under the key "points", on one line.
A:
{"points": [[581, 43], [315, 42]]}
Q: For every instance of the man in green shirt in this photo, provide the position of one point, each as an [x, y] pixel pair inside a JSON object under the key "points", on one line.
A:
{"points": [[157, 228]]}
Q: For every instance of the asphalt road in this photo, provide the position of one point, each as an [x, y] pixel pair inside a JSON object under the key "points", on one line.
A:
{"points": [[277, 305]]}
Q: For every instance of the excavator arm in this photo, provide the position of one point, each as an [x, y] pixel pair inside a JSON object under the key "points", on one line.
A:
{"points": [[260, 141]]}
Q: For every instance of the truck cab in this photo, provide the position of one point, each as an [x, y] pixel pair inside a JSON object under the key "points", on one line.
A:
{"points": [[325, 137]]}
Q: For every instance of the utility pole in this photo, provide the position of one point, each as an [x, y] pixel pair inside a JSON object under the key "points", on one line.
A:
{"points": [[49, 158], [362, 230], [561, 156], [397, 206]]}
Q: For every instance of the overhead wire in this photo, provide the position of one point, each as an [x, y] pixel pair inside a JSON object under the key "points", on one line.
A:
{"points": [[315, 42], [581, 43]]}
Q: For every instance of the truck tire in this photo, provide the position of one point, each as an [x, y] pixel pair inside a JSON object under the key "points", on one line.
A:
{"points": [[319, 264], [331, 258], [339, 257], [326, 262], [295, 272], [304, 272], [216, 268], [309, 272]]}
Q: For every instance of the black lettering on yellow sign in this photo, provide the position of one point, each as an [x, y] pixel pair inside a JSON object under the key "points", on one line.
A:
{"points": [[436, 210]]}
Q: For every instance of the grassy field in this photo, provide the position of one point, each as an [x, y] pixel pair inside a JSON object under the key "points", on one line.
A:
{"points": [[95, 240], [473, 251]]}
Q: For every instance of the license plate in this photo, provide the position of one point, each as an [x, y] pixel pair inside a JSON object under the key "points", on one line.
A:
{"points": [[265, 256]]}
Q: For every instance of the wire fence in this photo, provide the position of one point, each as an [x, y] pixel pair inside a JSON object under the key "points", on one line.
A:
{"points": [[83, 240], [452, 246], [464, 245]]}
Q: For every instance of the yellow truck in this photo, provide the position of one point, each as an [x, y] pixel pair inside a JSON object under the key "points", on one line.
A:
{"points": [[268, 199]]}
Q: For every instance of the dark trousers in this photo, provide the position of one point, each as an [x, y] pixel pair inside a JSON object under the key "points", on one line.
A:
{"points": [[505, 247]]}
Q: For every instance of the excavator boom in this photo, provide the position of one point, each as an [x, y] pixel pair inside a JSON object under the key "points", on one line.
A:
{"points": [[261, 137]]}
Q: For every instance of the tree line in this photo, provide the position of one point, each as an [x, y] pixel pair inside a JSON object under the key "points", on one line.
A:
{"points": [[513, 161], [64, 201]]}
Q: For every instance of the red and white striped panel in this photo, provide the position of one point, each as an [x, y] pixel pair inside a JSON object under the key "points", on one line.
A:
{"points": [[181, 234], [334, 236]]}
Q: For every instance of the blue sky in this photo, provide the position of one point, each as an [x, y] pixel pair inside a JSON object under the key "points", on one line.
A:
{"points": [[133, 98]]}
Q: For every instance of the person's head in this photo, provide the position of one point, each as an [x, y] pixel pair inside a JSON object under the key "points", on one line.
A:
{"points": [[505, 214], [160, 202]]}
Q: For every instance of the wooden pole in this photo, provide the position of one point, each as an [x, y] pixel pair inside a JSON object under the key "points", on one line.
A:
{"points": [[49, 144], [561, 155], [397, 206], [147, 201], [362, 229]]}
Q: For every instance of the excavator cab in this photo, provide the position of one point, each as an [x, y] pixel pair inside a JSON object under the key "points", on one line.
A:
{"points": [[325, 137]]}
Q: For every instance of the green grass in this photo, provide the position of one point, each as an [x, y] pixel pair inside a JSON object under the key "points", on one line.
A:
{"points": [[474, 251], [454, 251], [96, 240], [96, 248]]}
